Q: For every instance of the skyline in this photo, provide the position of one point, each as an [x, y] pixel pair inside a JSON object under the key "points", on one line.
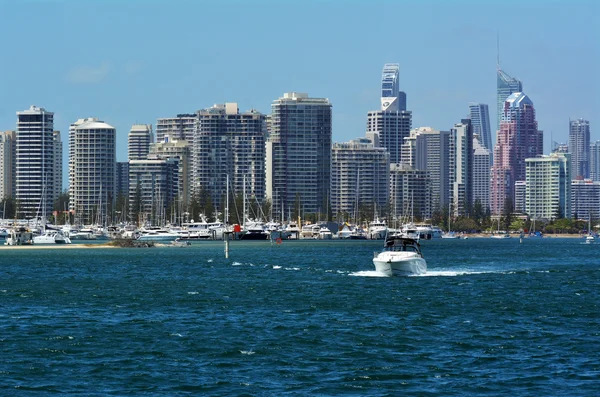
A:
{"points": [[160, 59]]}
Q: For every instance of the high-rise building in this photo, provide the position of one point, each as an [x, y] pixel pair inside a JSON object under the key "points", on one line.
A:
{"points": [[585, 199], [579, 147], [122, 179], [480, 121], [7, 160], [92, 169], [152, 187], [481, 173], [180, 150], [505, 87], [38, 163], [298, 154], [518, 139], [180, 128], [138, 141], [595, 161], [548, 186], [392, 99], [410, 194], [430, 151], [227, 142], [461, 167], [520, 197], [389, 126], [359, 177]]}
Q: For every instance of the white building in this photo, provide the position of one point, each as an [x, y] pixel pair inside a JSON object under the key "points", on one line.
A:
{"points": [[410, 194], [138, 141], [180, 150], [92, 169], [461, 167], [38, 163], [359, 177], [585, 199], [548, 186], [180, 128], [595, 161], [7, 168], [298, 154]]}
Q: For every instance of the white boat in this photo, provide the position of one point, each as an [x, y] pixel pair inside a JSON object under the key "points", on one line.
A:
{"points": [[51, 236], [451, 235], [83, 234], [325, 233], [400, 256], [157, 235], [19, 236], [377, 229], [589, 239]]}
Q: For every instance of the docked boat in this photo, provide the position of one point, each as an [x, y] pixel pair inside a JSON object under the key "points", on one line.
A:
{"points": [[400, 256], [157, 235], [254, 230], [324, 232], [19, 236], [377, 229], [51, 236]]}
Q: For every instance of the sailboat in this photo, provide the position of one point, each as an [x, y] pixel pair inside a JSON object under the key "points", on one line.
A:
{"points": [[450, 233], [589, 239], [499, 234]]}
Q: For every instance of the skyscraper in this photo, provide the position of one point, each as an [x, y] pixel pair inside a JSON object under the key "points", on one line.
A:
{"points": [[92, 188], [461, 166], [579, 147], [518, 139], [389, 126], [227, 142], [595, 161], [548, 186], [7, 169], [38, 162], [481, 173], [585, 199], [480, 121], [359, 176], [138, 141], [298, 154], [505, 86], [180, 128]]}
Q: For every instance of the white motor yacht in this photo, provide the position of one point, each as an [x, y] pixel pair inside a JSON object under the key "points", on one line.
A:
{"points": [[400, 256], [51, 236], [377, 229], [157, 235]]}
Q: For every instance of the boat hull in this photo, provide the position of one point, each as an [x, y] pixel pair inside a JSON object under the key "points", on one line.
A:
{"points": [[400, 265]]}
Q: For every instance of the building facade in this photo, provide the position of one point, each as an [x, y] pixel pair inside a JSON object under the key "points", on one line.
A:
{"points": [[122, 179], [548, 186], [389, 128], [517, 140], [92, 170], [595, 161], [480, 122], [38, 163], [579, 147], [179, 128], [585, 199], [298, 154], [505, 87], [481, 173], [152, 187], [7, 161], [410, 195], [138, 141], [179, 150], [359, 177], [461, 167], [227, 142]]}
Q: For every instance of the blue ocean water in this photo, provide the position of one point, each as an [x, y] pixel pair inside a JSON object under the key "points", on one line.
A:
{"points": [[490, 317]]}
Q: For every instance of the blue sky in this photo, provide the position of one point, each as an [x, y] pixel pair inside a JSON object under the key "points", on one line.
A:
{"points": [[129, 62]]}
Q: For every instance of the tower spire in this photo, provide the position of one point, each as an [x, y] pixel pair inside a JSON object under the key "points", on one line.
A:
{"points": [[498, 50]]}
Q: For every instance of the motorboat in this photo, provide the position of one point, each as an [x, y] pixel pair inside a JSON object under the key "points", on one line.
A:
{"points": [[451, 235], [254, 230], [377, 229], [325, 233], [500, 235], [157, 235], [19, 236], [51, 236], [400, 256]]}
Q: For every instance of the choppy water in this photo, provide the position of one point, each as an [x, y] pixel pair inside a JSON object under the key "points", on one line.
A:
{"points": [[490, 317]]}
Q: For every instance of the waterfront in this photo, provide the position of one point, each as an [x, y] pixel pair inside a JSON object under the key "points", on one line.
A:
{"points": [[302, 318]]}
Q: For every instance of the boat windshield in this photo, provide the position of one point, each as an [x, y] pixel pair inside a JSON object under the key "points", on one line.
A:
{"points": [[402, 245]]}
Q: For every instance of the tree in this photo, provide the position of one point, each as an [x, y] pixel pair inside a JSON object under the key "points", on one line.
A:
{"points": [[8, 206], [137, 205], [507, 213]]}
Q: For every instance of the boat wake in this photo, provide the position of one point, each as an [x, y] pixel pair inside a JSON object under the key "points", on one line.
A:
{"points": [[368, 273]]}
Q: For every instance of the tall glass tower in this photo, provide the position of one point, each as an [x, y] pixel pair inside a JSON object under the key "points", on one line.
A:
{"points": [[506, 86], [480, 121], [392, 99], [579, 147]]}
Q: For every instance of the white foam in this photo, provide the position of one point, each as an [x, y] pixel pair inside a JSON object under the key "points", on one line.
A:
{"points": [[209, 261], [292, 268], [236, 264], [247, 352], [192, 293], [276, 267], [177, 334], [368, 273]]}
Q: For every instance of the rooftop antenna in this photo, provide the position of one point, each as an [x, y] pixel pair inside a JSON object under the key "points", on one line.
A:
{"points": [[498, 50]]}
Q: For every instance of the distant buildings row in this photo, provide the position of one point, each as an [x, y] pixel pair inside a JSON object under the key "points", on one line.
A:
{"points": [[288, 158]]}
